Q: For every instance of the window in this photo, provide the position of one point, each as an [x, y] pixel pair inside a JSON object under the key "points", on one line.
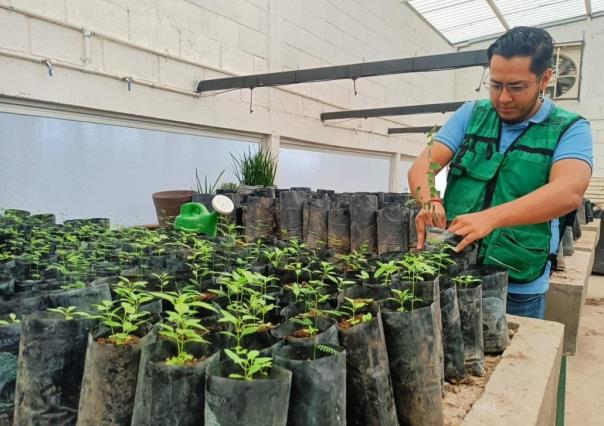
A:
{"points": [[333, 170], [77, 169]]}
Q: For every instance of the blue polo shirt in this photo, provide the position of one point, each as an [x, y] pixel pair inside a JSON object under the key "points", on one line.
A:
{"points": [[575, 143]]}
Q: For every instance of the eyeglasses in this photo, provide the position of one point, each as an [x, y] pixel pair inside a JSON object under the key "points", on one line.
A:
{"points": [[513, 89]]}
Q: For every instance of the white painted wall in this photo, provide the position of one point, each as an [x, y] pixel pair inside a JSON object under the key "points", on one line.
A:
{"points": [[166, 46], [591, 103], [75, 169]]}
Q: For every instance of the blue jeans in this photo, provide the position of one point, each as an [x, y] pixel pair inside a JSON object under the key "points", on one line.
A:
{"points": [[526, 305]]}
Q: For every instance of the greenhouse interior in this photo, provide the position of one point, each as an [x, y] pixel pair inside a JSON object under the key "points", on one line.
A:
{"points": [[302, 213]]}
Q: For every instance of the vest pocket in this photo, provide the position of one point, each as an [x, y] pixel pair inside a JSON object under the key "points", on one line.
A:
{"points": [[469, 176], [523, 253], [520, 176]]}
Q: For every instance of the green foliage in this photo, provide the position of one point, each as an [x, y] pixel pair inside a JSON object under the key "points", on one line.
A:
{"points": [[402, 298], [416, 267], [207, 188], [181, 326], [327, 350], [250, 363], [68, 313], [163, 280], [309, 325], [228, 186], [356, 260], [353, 307], [385, 271], [258, 168], [124, 315], [464, 281], [12, 319]]}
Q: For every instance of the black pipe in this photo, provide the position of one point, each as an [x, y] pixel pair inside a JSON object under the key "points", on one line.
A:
{"points": [[439, 62], [383, 112]]}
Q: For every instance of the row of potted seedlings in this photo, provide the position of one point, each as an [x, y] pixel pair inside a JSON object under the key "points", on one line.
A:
{"points": [[143, 327]]}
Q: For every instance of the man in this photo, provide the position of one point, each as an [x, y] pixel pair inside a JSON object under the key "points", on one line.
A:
{"points": [[518, 163]]}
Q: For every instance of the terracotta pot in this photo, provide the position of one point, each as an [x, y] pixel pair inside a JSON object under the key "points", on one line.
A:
{"points": [[167, 204]]}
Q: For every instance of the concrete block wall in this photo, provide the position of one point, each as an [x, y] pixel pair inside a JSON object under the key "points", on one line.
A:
{"points": [[167, 46], [591, 102]]}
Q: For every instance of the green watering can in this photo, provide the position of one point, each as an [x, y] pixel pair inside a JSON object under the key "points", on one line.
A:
{"points": [[195, 217]]}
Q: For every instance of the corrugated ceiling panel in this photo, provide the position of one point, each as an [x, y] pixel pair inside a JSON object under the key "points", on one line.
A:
{"points": [[460, 20], [521, 12], [597, 6], [464, 20]]}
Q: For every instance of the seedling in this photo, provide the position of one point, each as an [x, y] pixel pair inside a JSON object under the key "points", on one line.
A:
{"points": [[386, 271], [402, 298], [250, 364], [243, 325], [163, 279], [351, 310], [356, 260], [342, 283], [12, 319], [464, 281], [433, 168], [276, 257], [123, 315], [182, 328], [68, 313]]}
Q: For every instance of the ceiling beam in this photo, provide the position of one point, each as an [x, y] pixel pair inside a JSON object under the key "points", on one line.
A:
{"points": [[405, 130], [391, 111], [446, 61], [498, 13], [588, 10]]}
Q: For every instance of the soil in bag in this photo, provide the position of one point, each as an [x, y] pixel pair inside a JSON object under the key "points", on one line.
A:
{"points": [[109, 381], [51, 362], [363, 221], [9, 351], [318, 391], [260, 219], [296, 333], [170, 395], [338, 238], [258, 402], [494, 299], [453, 350], [469, 300], [411, 340], [316, 219], [392, 229], [369, 395], [291, 206]]}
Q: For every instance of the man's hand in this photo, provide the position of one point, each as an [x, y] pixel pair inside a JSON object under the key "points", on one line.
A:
{"points": [[432, 215], [473, 227]]}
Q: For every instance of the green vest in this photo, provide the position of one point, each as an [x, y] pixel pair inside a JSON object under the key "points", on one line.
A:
{"points": [[480, 177]]}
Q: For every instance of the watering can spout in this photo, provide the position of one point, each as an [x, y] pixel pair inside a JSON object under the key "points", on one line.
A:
{"points": [[195, 217]]}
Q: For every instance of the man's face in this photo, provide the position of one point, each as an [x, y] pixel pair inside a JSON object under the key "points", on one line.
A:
{"points": [[520, 102]]}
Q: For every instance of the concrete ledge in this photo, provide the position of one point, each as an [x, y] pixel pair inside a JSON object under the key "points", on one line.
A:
{"points": [[523, 387], [593, 227], [566, 296], [588, 240]]}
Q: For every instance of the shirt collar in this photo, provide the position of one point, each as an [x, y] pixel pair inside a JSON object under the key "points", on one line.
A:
{"points": [[539, 117]]}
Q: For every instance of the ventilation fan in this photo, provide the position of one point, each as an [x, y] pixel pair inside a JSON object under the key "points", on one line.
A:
{"points": [[566, 79]]}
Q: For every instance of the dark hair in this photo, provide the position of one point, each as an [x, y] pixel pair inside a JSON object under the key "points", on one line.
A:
{"points": [[525, 41]]}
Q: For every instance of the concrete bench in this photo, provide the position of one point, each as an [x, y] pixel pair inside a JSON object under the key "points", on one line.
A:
{"points": [[524, 385], [568, 288]]}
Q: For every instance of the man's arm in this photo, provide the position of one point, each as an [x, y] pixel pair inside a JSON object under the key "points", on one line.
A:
{"points": [[418, 179], [569, 179]]}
